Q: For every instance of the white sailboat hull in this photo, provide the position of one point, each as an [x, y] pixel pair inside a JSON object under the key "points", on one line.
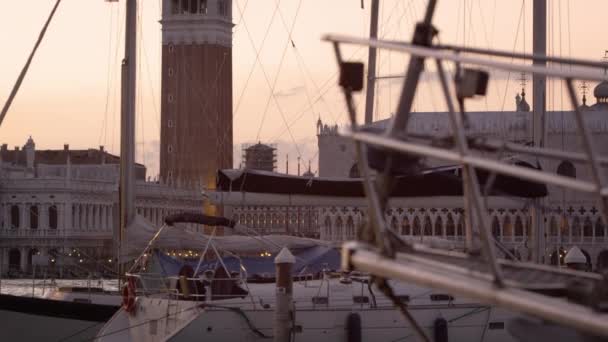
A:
{"points": [[193, 321]]}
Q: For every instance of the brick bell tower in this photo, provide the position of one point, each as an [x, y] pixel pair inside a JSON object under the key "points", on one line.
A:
{"points": [[196, 90]]}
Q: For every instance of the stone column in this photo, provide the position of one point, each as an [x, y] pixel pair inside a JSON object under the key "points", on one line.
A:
{"points": [[76, 217], [103, 213], [24, 210], [65, 216], [4, 261], [43, 216], [23, 262]]}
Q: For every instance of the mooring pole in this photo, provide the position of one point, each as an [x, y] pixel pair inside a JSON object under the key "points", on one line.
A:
{"points": [[283, 314]]}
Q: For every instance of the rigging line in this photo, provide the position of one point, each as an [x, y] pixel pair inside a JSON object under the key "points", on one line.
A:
{"points": [[150, 83], [118, 40], [104, 123], [296, 53], [514, 45], [272, 88], [488, 40], [327, 86], [471, 36], [17, 85], [140, 94], [257, 53], [561, 84], [242, 13]]}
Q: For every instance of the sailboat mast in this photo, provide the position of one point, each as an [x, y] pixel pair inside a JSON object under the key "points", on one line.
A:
{"points": [[127, 127], [371, 63], [539, 85], [539, 82]]}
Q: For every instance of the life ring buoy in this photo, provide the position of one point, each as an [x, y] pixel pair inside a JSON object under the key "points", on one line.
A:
{"points": [[128, 296]]}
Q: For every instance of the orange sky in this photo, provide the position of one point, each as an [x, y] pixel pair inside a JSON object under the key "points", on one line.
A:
{"points": [[71, 94]]}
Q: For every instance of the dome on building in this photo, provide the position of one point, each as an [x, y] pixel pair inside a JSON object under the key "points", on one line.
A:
{"points": [[601, 92]]}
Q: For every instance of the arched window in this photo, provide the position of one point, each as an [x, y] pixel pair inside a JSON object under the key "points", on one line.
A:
{"points": [[460, 226], [15, 216], [519, 227], [327, 225], [566, 168], [354, 171], [588, 227], [507, 228], [449, 226], [339, 228], [53, 217], [438, 227], [405, 227], [428, 227], [496, 228], [553, 227], [599, 227], [394, 224], [576, 228], [14, 259], [350, 228], [34, 217], [416, 227]]}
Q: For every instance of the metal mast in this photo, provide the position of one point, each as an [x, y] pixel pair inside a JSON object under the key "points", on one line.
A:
{"points": [[127, 127], [539, 82], [371, 62]]}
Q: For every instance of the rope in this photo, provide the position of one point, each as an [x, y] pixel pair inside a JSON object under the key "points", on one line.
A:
{"points": [[17, 85]]}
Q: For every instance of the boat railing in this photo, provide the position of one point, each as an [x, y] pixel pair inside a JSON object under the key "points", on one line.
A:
{"points": [[184, 288]]}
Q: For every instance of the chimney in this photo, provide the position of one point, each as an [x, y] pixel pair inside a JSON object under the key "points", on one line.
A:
{"points": [[66, 147], [103, 154]]}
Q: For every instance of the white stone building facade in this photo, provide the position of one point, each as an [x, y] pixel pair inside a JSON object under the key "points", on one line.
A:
{"points": [[68, 209]]}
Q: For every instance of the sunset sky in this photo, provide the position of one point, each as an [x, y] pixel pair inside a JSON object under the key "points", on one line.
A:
{"points": [[71, 94]]}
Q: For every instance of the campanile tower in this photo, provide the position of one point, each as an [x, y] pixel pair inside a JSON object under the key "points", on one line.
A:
{"points": [[196, 90]]}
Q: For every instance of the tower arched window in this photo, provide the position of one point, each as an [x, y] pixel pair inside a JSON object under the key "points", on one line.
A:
{"points": [[566, 168], [222, 6], [203, 8], [53, 217], [15, 216]]}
